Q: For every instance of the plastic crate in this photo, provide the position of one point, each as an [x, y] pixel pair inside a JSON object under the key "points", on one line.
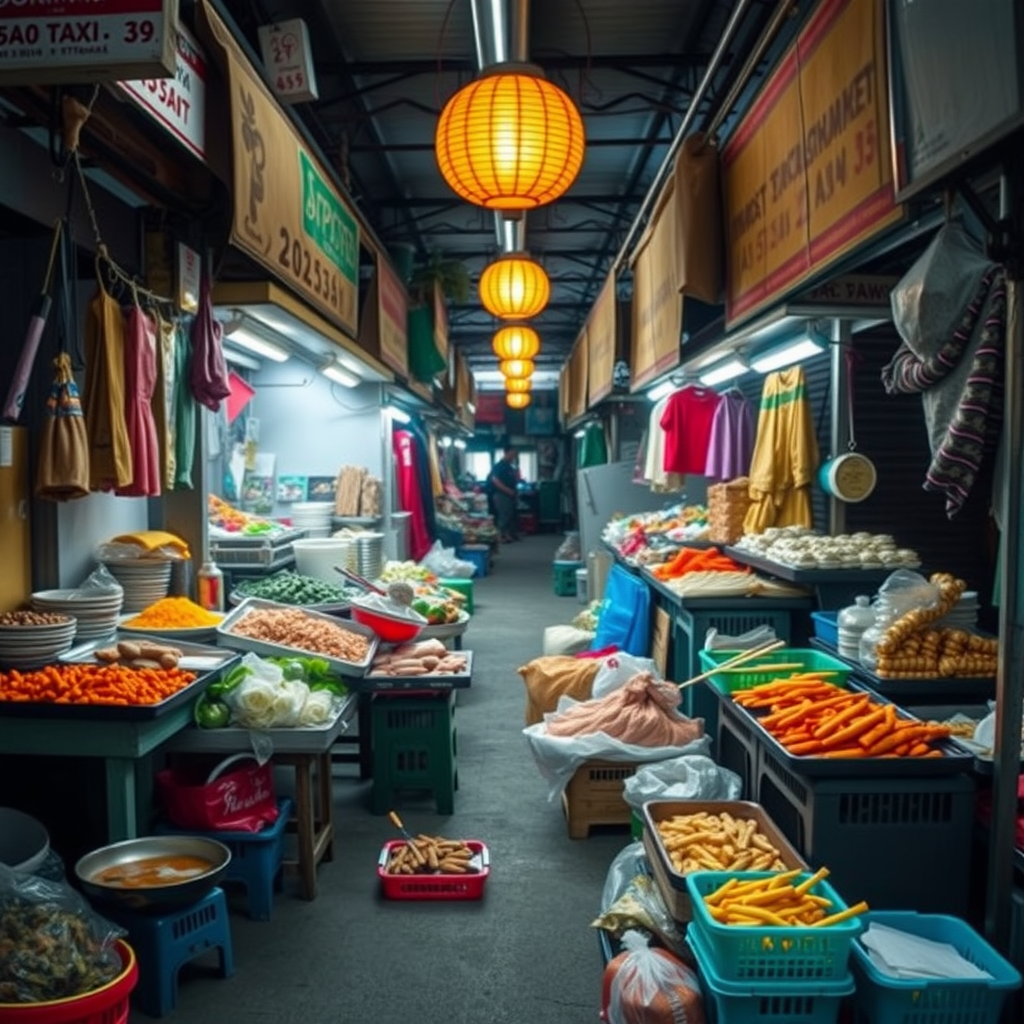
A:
{"points": [[749, 953], [737, 748], [434, 887], [742, 678], [593, 796], [882, 999], [826, 627], [787, 1002], [563, 577], [895, 842]]}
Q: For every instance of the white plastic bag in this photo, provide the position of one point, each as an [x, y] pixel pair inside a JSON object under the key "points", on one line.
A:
{"points": [[442, 561], [617, 669], [691, 777], [566, 640]]}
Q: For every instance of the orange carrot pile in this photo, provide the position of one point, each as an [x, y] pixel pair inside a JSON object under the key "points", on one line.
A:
{"points": [[93, 684], [687, 560], [811, 717]]}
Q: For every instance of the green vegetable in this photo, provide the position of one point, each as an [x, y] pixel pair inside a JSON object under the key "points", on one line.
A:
{"points": [[293, 668], [288, 587], [211, 714], [337, 688], [227, 683]]}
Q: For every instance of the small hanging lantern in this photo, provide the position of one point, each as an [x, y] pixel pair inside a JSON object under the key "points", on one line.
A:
{"points": [[516, 367], [520, 384], [514, 287], [510, 140], [517, 399], [516, 342]]}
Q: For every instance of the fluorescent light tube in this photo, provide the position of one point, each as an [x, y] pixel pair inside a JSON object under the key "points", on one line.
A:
{"points": [[719, 374], [241, 359], [332, 371], [245, 338], [660, 391], [785, 355], [459, 443], [396, 414], [446, 441]]}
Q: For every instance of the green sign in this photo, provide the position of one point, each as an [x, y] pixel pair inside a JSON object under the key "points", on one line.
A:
{"points": [[326, 221]]}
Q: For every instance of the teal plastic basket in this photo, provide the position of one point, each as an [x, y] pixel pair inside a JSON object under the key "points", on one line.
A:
{"points": [[766, 1002], [744, 678], [759, 953], [882, 999]]}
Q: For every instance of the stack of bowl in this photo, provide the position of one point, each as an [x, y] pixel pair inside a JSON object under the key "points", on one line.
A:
{"points": [[95, 610], [369, 555], [33, 639], [145, 580], [312, 516]]}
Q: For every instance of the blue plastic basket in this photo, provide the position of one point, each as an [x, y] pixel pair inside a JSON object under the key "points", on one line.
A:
{"points": [[882, 999], [760, 953], [766, 1002], [826, 627]]}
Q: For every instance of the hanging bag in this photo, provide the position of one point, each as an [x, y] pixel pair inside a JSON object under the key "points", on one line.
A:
{"points": [[63, 469]]}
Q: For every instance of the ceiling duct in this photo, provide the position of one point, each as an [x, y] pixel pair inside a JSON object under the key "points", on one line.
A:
{"points": [[501, 31]]}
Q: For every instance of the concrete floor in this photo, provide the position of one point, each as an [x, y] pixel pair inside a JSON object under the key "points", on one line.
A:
{"points": [[525, 953]]}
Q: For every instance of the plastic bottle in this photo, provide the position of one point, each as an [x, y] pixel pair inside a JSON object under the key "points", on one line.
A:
{"points": [[885, 616], [852, 623], [210, 587]]}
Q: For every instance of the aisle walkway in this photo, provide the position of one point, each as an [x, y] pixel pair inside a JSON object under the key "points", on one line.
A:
{"points": [[526, 954]]}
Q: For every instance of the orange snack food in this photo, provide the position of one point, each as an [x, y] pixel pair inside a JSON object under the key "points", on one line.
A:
{"points": [[93, 684]]}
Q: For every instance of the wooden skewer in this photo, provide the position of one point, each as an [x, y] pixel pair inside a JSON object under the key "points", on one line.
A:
{"points": [[781, 666], [742, 658]]}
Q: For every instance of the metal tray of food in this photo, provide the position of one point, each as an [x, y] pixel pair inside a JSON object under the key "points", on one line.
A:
{"points": [[226, 638], [810, 576], [379, 683], [196, 657]]}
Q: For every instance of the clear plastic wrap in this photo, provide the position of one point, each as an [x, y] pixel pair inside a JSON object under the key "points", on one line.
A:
{"points": [[691, 777], [642, 906], [629, 862]]}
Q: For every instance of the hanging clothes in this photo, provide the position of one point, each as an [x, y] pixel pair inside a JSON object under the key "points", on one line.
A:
{"points": [[185, 410], [593, 447], [785, 455], [110, 454], [686, 421], [140, 349], [163, 400], [208, 376], [732, 438], [654, 472], [410, 495]]}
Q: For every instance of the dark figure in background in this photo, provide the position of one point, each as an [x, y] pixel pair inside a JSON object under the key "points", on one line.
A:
{"points": [[502, 484]]}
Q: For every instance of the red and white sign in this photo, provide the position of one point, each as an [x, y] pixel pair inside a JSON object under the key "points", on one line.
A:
{"points": [[178, 103], [288, 59], [63, 41]]}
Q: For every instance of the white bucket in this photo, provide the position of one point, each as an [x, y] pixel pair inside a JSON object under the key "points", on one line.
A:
{"points": [[24, 841], [317, 557]]}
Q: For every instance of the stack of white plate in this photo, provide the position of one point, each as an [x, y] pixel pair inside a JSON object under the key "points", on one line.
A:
{"points": [[369, 555], [963, 615], [313, 516], [27, 644], [145, 581], [96, 610]]}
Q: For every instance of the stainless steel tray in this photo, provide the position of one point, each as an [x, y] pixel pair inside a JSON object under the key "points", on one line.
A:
{"points": [[195, 657], [243, 643], [373, 683]]}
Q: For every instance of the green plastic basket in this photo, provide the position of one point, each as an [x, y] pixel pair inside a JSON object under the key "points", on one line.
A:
{"points": [[759, 672]]}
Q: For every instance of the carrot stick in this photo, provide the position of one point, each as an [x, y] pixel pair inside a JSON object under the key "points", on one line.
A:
{"points": [[854, 729], [833, 722]]}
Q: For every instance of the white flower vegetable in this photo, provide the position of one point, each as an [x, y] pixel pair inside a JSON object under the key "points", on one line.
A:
{"points": [[318, 709]]}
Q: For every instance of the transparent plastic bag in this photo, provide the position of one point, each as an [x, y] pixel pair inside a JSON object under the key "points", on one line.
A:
{"points": [[100, 581], [629, 862], [119, 551], [641, 906], [905, 590], [442, 561], [692, 777], [54, 944], [619, 668]]}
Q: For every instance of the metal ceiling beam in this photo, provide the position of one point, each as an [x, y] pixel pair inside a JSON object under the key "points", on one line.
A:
{"points": [[550, 62], [425, 146]]}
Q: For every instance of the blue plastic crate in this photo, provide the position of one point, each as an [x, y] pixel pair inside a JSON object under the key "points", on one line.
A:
{"points": [[782, 1002], [826, 627], [882, 999]]}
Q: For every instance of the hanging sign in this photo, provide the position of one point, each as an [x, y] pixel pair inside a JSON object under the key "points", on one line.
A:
{"points": [[66, 41], [288, 58], [807, 175], [178, 104], [601, 337], [578, 377], [189, 277], [288, 214], [440, 322], [392, 318]]}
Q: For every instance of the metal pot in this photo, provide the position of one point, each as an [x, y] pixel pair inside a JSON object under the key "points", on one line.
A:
{"points": [[157, 897]]}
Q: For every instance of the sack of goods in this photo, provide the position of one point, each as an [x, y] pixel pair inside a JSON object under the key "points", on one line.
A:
{"points": [[727, 508]]}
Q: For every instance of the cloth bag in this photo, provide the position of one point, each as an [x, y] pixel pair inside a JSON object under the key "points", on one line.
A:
{"points": [[241, 799], [63, 468]]}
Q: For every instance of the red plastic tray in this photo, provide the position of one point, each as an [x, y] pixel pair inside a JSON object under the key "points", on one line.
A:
{"points": [[434, 887]]}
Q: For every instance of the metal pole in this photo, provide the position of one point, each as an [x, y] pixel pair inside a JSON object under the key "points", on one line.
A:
{"points": [[839, 413]]}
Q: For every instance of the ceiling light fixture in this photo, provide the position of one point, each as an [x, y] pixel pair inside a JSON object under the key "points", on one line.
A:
{"points": [[332, 371], [245, 338], [516, 341], [510, 140], [460, 444], [721, 372], [789, 352], [446, 441], [396, 414], [660, 391], [514, 287], [517, 400], [520, 384], [241, 359], [516, 367]]}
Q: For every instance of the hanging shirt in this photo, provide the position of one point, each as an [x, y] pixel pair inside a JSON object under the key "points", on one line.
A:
{"points": [[687, 425], [732, 438], [185, 410], [785, 455], [410, 495], [140, 375], [654, 458], [593, 448]]}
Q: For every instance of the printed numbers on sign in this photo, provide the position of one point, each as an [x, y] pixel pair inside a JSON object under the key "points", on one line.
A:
{"points": [[288, 83], [139, 31], [866, 147], [308, 269]]}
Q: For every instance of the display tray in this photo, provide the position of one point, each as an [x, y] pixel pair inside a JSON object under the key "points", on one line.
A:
{"points": [[300, 740], [194, 634], [445, 630], [371, 683], [956, 760], [196, 657], [85, 654], [808, 576], [357, 520], [970, 688], [261, 552], [336, 608], [243, 643]]}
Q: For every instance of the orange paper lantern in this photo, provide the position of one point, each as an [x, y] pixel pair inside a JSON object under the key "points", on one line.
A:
{"points": [[510, 140], [514, 287], [520, 384], [516, 342], [516, 367], [517, 400]]}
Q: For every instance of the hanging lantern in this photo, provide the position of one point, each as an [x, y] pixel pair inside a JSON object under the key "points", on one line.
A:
{"points": [[510, 140], [520, 384], [516, 342], [514, 287], [517, 399], [516, 367]]}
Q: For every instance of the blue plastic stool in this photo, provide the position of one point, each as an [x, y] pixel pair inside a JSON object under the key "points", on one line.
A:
{"points": [[478, 554], [163, 943], [257, 858]]}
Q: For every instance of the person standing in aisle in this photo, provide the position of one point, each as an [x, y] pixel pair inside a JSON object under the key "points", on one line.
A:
{"points": [[503, 483]]}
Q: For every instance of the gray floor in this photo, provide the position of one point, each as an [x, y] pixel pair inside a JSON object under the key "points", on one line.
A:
{"points": [[525, 953]]}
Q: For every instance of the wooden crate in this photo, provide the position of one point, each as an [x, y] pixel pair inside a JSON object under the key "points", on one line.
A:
{"points": [[594, 796]]}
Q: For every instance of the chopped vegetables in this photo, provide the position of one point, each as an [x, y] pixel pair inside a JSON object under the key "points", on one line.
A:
{"points": [[174, 613], [93, 684], [687, 560], [293, 588]]}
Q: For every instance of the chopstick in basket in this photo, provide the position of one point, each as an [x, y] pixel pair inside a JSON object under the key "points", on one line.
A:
{"points": [[739, 659]]}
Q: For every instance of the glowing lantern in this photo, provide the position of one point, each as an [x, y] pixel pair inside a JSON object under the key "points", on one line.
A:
{"points": [[516, 367], [516, 342], [517, 399], [514, 287], [520, 384]]}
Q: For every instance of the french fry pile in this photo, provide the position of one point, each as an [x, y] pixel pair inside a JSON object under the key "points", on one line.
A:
{"points": [[717, 842], [811, 717], [431, 855], [777, 901]]}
